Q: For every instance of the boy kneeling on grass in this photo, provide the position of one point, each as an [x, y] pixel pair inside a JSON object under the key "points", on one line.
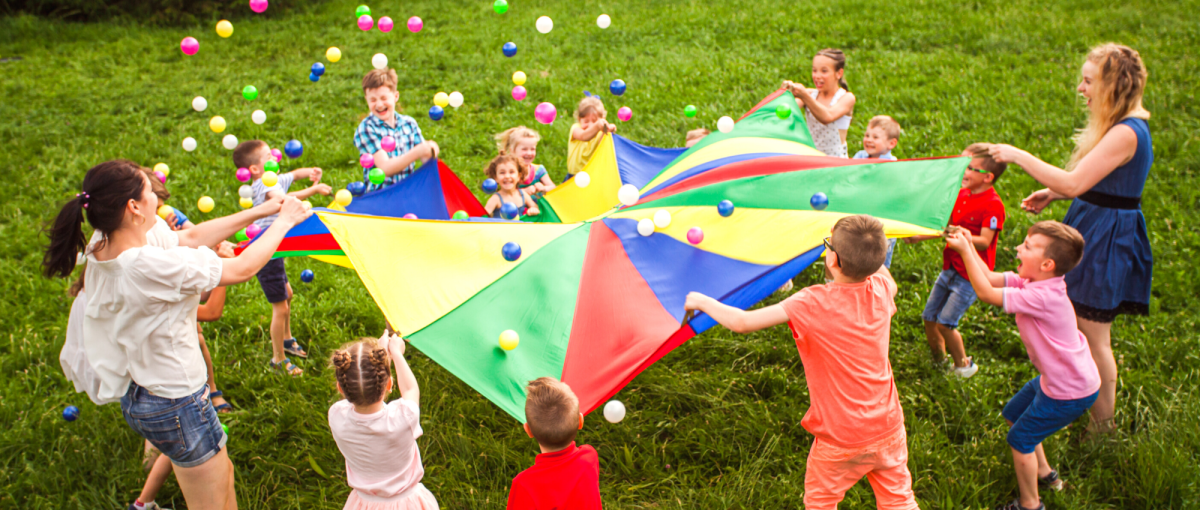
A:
{"points": [[842, 330], [1069, 382], [564, 475]]}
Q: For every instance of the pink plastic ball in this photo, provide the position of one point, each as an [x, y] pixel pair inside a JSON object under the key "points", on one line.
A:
{"points": [[410, 216], [365, 22], [386, 24], [388, 144], [243, 174], [258, 5], [625, 113], [277, 154], [415, 24], [366, 160], [189, 45], [695, 235], [161, 176], [545, 113], [253, 230], [519, 93]]}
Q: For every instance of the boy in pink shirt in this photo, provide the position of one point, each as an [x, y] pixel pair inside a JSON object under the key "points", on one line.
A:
{"points": [[1069, 382], [842, 330]]}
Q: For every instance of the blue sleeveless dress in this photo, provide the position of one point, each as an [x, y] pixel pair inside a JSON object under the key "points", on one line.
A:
{"points": [[1114, 275], [496, 213]]}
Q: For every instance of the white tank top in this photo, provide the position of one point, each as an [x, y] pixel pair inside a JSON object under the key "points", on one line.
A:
{"points": [[827, 137]]}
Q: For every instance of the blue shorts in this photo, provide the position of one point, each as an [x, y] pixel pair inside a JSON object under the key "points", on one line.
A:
{"points": [[1036, 416], [187, 430], [948, 301], [273, 280], [887, 260]]}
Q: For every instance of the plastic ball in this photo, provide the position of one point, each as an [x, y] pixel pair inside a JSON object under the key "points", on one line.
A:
{"points": [[217, 124], [645, 226], [161, 176], [271, 165], [258, 6], [243, 175], [253, 230], [783, 112], [603, 21], [500, 6], [366, 160], [614, 411], [189, 144], [365, 22], [343, 197], [519, 93], [625, 113], [293, 149], [460, 215], [490, 185], [241, 236], [162, 167], [441, 99], [388, 144], [509, 49], [582, 179], [333, 54], [545, 24], [386, 24], [307, 204], [270, 179], [409, 216], [199, 104], [313, 78], [545, 113], [205, 204], [436, 112], [456, 99], [245, 191], [317, 69], [511, 251], [246, 203], [695, 235], [356, 188], [379, 61], [617, 87], [306, 276], [250, 92], [415, 24], [725, 124], [509, 211], [509, 340], [258, 116], [189, 45], [725, 208], [230, 142], [71, 413], [819, 201], [362, 10], [690, 111], [662, 218], [224, 28], [165, 211], [519, 78], [628, 194], [376, 176], [225, 428]]}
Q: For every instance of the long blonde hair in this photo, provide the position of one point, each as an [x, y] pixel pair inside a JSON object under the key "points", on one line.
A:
{"points": [[1117, 94], [508, 139]]}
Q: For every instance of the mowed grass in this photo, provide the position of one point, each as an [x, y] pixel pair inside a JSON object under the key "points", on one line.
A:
{"points": [[715, 424]]}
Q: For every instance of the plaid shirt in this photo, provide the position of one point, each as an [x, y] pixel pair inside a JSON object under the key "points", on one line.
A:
{"points": [[369, 136]]}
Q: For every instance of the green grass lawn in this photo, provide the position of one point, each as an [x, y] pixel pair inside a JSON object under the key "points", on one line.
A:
{"points": [[715, 424]]}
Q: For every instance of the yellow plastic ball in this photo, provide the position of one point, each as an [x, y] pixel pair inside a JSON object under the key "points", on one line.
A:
{"points": [[165, 211], [224, 28], [307, 205], [343, 197], [246, 203], [269, 179], [509, 340], [333, 54], [217, 124], [441, 99], [205, 204], [162, 167], [519, 78]]}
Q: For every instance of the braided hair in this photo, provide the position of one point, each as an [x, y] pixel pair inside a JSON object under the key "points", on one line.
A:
{"points": [[362, 371]]}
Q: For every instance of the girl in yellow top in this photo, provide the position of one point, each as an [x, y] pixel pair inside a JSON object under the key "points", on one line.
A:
{"points": [[586, 133]]}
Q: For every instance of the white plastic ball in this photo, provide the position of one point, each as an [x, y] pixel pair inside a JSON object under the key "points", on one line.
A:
{"points": [[662, 218], [189, 144], [645, 226], [603, 21], [230, 142], [199, 104], [245, 191], [456, 99], [582, 179], [628, 194], [258, 116], [379, 61], [614, 411], [545, 24], [725, 124]]}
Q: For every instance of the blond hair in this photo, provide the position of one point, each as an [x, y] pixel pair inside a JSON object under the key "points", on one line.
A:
{"points": [[588, 106], [1117, 94], [380, 78], [860, 245], [493, 166], [362, 371], [887, 124], [552, 412], [1065, 247], [508, 139]]}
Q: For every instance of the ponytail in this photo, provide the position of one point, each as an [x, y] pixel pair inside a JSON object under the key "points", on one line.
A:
{"points": [[107, 188], [66, 239], [839, 61]]}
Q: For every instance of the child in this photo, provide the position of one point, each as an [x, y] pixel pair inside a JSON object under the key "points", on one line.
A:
{"points": [[586, 133], [509, 170], [882, 135], [563, 475], [842, 331], [253, 154], [980, 211], [522, 143], [379, 88], [1069, 382], [829, 104], [379, 438], [694, 136]]}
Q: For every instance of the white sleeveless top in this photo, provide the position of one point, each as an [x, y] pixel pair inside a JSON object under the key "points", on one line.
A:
{"points": [[827, 137]]}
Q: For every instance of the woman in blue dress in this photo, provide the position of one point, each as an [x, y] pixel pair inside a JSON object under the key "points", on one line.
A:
{"points": [[1105, 176]]}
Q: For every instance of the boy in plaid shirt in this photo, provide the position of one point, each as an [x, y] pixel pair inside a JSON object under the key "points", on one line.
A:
{"points": [[379, 87]]}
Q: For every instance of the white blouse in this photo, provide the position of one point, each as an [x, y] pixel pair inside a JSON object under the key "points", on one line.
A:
{"points": [[828, 137]]}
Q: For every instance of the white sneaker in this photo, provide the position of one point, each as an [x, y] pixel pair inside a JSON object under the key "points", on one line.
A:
{"points": [[787, 287], [967, 371]]}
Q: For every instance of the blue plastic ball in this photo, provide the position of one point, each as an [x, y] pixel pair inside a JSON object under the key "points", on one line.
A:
{"points": [[509, 211], [490, 186], [511, 251], [306, 275], [293, 149], [318, 69], [312, 77], [71, 413], [436, 112], [819, 201], [510, 49], [356, 188], [725, 208], [617, 87]]}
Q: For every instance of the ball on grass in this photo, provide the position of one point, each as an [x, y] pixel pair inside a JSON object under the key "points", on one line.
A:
{"points": [[317, 69], [625, 113], [258, 116], [250, 92], [258, 6], [230, 142], [545, 24], [617, 87], [519, 93], [189, 144], [725, 124], [614, 411], [199, 104], [603, 21], [519, 78], [71, 413], [379, 61], [456, 99], [243, 174], [307, 276], [333, 54], [189, 45], [509, 49], [441, 99], [245, 191], [361, 11], [415, 24], [272, 165], [436, 112], [205, 204], [217, 124], [545, 113], [365, 22], [386, 24], [293, 149], [690, 111], [500, 6], [162, 167]]}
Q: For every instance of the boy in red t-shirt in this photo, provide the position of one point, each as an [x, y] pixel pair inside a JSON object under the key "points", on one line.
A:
{"points": [[980, 212], [842, 330], [564, 475]]}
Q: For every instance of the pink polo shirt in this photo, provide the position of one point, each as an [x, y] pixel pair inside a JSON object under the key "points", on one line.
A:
{"points": [[1046, 320]]}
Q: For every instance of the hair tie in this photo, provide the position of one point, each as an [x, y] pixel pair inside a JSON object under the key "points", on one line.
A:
{"points": [[85, 198]]}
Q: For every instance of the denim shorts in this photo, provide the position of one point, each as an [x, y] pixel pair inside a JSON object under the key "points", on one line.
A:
{"points": [[273, 280], [1036, 416], [948, 301], [187, 430], [887, 259]]}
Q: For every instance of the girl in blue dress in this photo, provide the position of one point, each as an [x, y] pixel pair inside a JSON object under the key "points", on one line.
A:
{"points": [[1105, 175], [508, 171]]}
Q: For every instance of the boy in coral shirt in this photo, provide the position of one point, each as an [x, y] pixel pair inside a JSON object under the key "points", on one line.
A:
{"points": [[564, 475], [842, 330]]}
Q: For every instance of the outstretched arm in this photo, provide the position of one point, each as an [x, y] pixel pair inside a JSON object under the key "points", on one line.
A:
{"points": [[213, 231], [737, 320], [392, 166], [824, 114], [988, 284], [406, 382], [1115, 149], [243, 267]]}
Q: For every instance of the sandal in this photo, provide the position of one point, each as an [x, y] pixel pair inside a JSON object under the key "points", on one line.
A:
{"points": [[287, 366], [291, 346], [223, 407]]}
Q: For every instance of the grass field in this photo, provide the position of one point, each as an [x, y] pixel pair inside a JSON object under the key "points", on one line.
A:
{"points": [[715, 424]]}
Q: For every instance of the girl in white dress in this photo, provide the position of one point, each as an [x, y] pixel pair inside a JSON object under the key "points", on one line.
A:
{"points": [[829, 105]]}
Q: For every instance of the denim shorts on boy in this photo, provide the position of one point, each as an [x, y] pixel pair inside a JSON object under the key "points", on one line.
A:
{"points": [[1036, 416], [273, 280], [887, 259], [948, 301], [186, 430]]}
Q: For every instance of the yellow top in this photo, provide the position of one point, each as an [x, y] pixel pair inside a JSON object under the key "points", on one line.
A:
{"points": [[579, 152]]}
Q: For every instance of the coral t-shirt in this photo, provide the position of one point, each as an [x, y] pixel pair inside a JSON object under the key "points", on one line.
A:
{"points": [[842, 332], [562, 480], [1046, 320], [975, 213]]}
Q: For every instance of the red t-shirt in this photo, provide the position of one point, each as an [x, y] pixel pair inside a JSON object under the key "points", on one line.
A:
{"points": [[568, 479], [975, 213]]}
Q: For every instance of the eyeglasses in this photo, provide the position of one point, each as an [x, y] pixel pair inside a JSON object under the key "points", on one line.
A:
{"points": [[980, 170], [829, 245]]}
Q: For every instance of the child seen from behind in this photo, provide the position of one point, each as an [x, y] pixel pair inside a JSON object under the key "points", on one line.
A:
{"points": [[563, 475]]}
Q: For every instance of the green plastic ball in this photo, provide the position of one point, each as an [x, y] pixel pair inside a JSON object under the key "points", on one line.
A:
{"points": [[271, 166], [501, 6], [241, 236], [690, 111], [460, 215], [783, 112], [376, 176], [225, 428], [250, 92], [361, 11]]}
